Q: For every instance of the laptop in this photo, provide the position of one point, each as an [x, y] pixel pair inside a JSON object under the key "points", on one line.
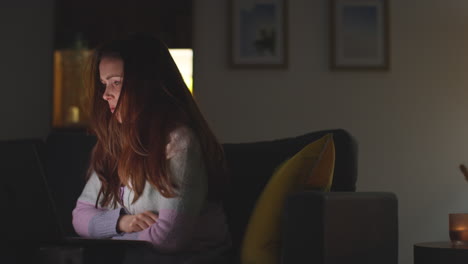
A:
{"points": [[26, 204]]}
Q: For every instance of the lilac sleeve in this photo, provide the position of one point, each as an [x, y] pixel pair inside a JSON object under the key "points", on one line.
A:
{"points": [[89, 221]]}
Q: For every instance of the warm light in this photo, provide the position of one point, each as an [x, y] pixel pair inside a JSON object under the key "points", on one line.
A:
{"points": [[458, 231], [69, 90], [184, 60]]}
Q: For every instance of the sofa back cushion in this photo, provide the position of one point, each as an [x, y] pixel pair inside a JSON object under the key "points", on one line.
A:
{"points": [[251, 165]]}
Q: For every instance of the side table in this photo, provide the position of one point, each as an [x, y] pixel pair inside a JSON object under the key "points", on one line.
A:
{"points": [[440, 253]]}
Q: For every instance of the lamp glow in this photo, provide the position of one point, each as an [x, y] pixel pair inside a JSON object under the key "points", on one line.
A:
{"points": [[184, 61]]}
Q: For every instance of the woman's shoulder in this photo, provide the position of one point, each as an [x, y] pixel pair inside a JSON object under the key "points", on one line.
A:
{"points": [[180, 139]]}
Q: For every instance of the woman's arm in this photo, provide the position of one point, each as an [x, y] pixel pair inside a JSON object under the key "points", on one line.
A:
{"points": [[177, 216], [90, 221]]}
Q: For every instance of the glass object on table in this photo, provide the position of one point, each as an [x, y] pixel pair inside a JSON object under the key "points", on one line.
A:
{"points": [[458, 228]]}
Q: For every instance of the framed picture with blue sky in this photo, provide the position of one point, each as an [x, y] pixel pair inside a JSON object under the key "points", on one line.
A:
{"points": [[258, 34], [359, 35]]}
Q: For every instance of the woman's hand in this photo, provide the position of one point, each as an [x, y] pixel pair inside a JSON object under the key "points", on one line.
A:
{"points": [[135, 223]]}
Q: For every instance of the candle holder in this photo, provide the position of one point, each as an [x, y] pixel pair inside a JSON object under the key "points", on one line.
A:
{"points": [[458, 228]]}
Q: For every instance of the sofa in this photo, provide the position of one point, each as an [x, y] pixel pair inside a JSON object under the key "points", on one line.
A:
{"points": [[341, 226]]}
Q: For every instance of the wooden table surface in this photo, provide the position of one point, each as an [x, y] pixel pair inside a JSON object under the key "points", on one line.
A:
{"points": [[443, 252]]}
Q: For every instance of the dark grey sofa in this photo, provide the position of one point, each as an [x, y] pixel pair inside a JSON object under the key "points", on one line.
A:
{"points": [[342, 226]]}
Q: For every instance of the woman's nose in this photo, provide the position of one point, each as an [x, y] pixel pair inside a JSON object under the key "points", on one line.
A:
{"points": [[107, 95]]}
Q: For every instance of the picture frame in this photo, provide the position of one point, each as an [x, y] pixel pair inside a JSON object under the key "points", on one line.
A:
{"points": [[359, 35], [258, 34]]}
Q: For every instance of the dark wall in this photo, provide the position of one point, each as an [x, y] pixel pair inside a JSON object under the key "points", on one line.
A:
{"points": [[95, 21], [25, 68]]}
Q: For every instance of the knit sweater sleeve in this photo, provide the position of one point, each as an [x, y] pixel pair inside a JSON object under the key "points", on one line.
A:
{"points": [[90, 221], [173, 230]]}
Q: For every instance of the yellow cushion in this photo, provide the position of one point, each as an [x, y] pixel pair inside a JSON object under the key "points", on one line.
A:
{"points": [[311, 168]]}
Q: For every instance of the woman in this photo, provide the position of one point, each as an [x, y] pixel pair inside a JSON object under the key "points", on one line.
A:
{"points": [[156, 171]]}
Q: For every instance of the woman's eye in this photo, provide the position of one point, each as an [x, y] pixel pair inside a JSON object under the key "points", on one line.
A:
{"points": [[117, 83]]}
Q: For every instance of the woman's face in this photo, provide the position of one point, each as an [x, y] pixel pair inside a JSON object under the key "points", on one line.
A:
{"points": [[111, 71]]}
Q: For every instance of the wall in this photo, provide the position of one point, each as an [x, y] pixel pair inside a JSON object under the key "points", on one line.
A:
{"points": [[25, 68], [411, 122]]}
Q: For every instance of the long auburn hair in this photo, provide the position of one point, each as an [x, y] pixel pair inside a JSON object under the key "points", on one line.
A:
{"points": [[154, 100]]}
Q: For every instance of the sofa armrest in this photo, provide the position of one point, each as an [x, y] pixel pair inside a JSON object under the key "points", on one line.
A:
{"points": [[340, 227]]}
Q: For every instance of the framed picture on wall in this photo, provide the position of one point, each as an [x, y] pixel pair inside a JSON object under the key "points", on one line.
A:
{"points": [[359, 35], [258, 34]]}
